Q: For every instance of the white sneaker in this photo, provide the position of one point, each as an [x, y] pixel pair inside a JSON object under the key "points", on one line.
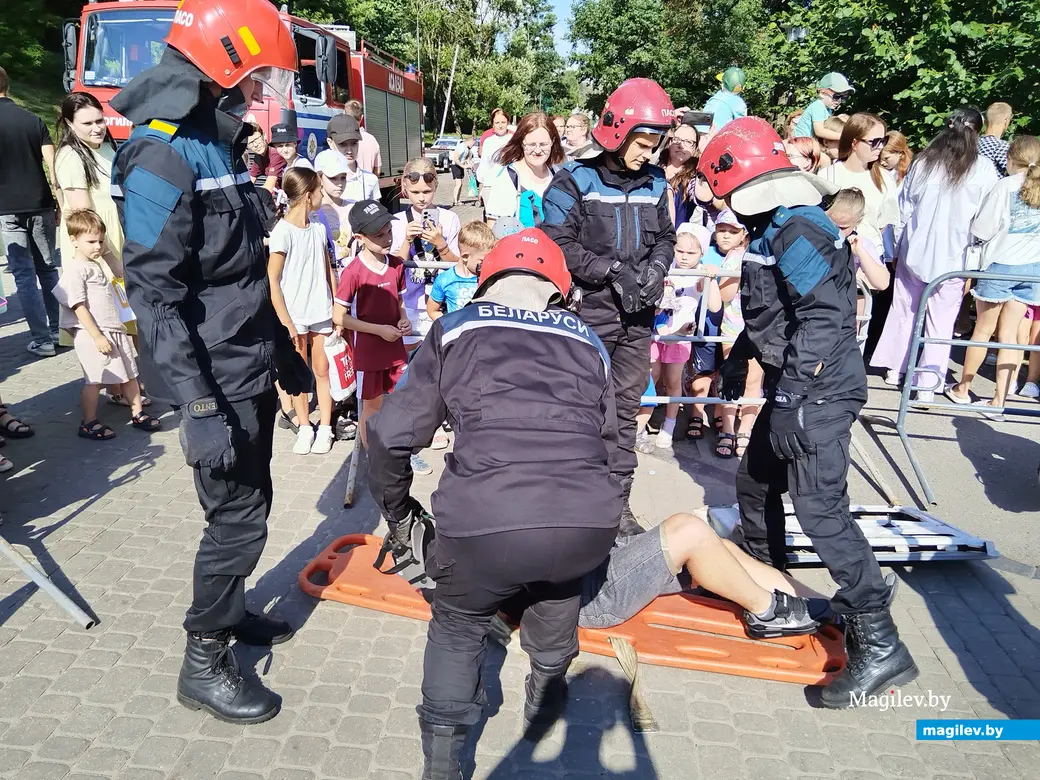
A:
{"points": [[420, 467], [323, 440], [1030, 390], [304, 440], [893, 378], [440, 440], [663, 440], [41, 348], [925, 396]]}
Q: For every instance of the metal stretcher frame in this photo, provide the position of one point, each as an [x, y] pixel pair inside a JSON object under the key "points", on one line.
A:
{"points": [[917, 343]]}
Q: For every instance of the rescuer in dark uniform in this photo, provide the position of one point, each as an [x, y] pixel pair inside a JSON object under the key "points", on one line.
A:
{"points": [[609, 214], [798, 298], [196, 274], [527, 501]]}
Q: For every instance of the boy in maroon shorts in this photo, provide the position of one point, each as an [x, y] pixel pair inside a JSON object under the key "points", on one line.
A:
{"points": [[368, 302]]}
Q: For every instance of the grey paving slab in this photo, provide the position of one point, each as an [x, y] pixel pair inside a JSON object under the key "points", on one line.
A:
{"points": [[116, 523]]}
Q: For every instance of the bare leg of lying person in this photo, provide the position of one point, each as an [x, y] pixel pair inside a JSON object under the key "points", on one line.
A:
{"points": [[641, 568]]}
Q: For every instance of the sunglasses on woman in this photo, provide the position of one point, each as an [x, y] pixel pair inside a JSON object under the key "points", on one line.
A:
{"points": [[415, 177], [873, 143]]}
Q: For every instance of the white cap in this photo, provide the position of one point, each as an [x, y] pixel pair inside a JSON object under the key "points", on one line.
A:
{"points": [[331, 163]]}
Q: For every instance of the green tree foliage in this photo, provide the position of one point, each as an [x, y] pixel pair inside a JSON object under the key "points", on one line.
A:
{"points": [[911, 60], [30, 36]]}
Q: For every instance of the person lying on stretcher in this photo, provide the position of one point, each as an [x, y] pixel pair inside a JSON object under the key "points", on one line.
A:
{"points": [[664, 559]]}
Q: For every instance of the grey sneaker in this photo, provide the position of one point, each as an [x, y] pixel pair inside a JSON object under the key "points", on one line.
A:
{"points": [[790, 618], [41, 348], [420, 467]]}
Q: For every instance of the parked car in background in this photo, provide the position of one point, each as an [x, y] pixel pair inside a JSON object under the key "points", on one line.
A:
{"points": [[440, 151]]}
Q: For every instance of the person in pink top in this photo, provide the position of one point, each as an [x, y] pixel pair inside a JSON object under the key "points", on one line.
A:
{"points": [[369, 157]]}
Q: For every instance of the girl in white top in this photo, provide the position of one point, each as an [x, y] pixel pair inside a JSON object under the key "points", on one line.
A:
{"points": [[859, 166], [301, 291], [941, 195], [528, 163], [1009, 223]]}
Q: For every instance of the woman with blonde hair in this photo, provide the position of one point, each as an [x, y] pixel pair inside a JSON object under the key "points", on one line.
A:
{"points": [[1009, 223]]}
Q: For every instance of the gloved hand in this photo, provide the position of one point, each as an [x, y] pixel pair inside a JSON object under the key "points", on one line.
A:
{"points": [[651, 283], [205, 436], [733, 375], [294, 375], [626, 285], [787, 426]]}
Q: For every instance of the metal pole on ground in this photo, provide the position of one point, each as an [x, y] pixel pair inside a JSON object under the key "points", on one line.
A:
{"points": [[41, 580]]}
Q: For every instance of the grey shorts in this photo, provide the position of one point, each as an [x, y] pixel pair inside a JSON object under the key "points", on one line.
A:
{"points": [[639, 569]]}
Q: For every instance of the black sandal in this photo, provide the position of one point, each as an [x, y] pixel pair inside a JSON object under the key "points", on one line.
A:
{"points": [[695, 428], [743, 439], [145, 422], [14, 427], [96, 430], [121, 400], [725, 446]]}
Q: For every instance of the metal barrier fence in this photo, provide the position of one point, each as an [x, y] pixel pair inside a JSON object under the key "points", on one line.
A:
{"points": [[917, 343]]}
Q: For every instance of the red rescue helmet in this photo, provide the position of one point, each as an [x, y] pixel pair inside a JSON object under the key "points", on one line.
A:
{"points": [[637, 105], [529, 251], [740, 152], [230, 40]]}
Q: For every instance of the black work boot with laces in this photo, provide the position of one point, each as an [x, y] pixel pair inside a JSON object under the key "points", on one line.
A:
{"points": [[263, 630], [629, 526], [441, 747], [787, 616], [877, 659], [210, 681], [546, 696]]}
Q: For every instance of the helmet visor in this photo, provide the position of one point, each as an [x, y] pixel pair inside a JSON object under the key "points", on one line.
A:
{"points": [[277, 83]]}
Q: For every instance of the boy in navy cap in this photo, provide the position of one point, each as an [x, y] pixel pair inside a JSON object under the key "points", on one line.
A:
{"points": [[368, 302]]}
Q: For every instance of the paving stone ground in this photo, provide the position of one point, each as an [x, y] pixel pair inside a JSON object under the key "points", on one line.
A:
{"points": [[115, 524]]}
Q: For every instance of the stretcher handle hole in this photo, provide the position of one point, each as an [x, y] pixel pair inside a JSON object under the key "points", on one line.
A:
{"points": [[318, 577]]}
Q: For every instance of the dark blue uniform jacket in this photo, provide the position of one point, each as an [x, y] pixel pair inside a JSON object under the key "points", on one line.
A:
{"points": [[798, 298], [196, 268], [599, 216], [530, 400]]}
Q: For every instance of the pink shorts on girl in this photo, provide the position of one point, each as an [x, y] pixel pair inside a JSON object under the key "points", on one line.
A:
{"points": [[665, 352]]}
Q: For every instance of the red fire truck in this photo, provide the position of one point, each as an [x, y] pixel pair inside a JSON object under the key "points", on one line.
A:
{"points": [[114, 40]]}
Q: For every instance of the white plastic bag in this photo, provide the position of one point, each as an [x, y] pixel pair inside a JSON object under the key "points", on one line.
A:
{"points": [[342, 377]]}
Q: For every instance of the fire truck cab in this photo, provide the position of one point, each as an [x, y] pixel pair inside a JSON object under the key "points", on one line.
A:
{"points": [[114, 40]]}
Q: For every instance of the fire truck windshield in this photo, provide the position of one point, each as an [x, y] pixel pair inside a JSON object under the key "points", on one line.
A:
{"points": [[122, 43]]}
